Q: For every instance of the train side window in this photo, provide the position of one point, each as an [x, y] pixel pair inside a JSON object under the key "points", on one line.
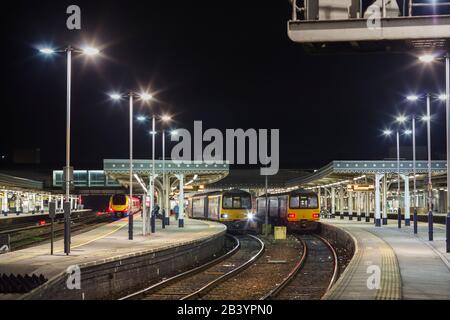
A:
{"points": [[294, 202], [227, 202]]}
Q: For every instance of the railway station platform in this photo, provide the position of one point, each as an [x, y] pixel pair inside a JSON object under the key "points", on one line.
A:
{"points": [[408, 266], [107, 246]]}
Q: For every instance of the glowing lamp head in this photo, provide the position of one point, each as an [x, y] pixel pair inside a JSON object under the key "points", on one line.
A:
{"points": [[146, 96], [442, 97], [115, 96], [401, 119], [174, 133], [412, 98], [166, 118], [90, 51], [387, 132], [47, 51], [408, 132], [426, 118], [152, 132], [141, 118], [427, 58]]}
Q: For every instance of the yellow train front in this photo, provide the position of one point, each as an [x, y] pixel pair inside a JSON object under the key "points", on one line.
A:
{"points": [[298, 210], [232, 208], [120, 205]]}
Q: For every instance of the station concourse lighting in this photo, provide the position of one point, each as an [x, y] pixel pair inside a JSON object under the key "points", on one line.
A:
{"points": [[387, 132], [90, 51]]}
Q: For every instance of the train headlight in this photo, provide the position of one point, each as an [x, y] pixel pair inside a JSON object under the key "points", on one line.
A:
{"points": [[250, 216], [224, 215]]}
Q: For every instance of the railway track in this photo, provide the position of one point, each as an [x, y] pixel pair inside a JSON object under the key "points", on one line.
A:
{"points": [[313, 275], [31, 235], [196, 283]]}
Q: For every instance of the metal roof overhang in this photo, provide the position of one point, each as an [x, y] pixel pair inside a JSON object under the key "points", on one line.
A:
{"points": [[344, 171], [7, 181], [206, 172]]}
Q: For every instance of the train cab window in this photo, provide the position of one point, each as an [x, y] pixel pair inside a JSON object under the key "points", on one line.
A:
{"points": [[120, 199], [237, 202], [303, 202]]}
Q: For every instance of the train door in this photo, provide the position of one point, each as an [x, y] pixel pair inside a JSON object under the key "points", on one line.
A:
{"points": [[214, 208]]}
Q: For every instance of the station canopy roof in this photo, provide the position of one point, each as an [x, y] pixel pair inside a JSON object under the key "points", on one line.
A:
{"points": [[197, 172], [338, 172]]}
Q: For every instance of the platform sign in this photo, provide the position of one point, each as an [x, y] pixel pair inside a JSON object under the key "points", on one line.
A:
{"points": [[5, 245]]}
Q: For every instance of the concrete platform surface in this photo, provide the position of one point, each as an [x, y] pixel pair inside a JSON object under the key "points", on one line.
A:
{"points": [[407, 266], [105, 243]]}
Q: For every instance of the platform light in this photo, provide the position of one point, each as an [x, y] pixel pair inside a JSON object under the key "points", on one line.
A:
{"points": [[387, 132], [412, 98], [152, 132], [442, 97], [401, 119], [407, 132], [145, 96], [250, 216], [90, 51], [426, 118], [115, 96], [174, 133], [141, 118], [427, 58], [47, 51], [166, 118]]}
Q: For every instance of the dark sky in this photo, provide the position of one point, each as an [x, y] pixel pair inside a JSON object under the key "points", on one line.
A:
{"points": [[228, 63]]}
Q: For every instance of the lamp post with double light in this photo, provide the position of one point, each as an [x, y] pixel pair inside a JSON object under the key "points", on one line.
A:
{"points": [[153, 132], [427, 119], [68, 172], [429, 58], [131, 96], [388, 133]]}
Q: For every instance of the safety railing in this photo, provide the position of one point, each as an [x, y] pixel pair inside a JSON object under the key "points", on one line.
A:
{"points": [[356, 10]]}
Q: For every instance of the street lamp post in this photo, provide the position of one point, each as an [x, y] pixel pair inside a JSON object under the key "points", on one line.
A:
{"points": [[89, 51], [414, 172], [447, 103], [166, 216], [430, 185], [399, 210], [131, 96], [388, 132], [428, 58]]}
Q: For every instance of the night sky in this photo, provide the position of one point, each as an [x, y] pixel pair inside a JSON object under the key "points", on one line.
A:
{"points": [[228, 63]]}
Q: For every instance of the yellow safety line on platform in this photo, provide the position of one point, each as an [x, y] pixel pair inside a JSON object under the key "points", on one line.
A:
{"points": [[100, 237]]}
